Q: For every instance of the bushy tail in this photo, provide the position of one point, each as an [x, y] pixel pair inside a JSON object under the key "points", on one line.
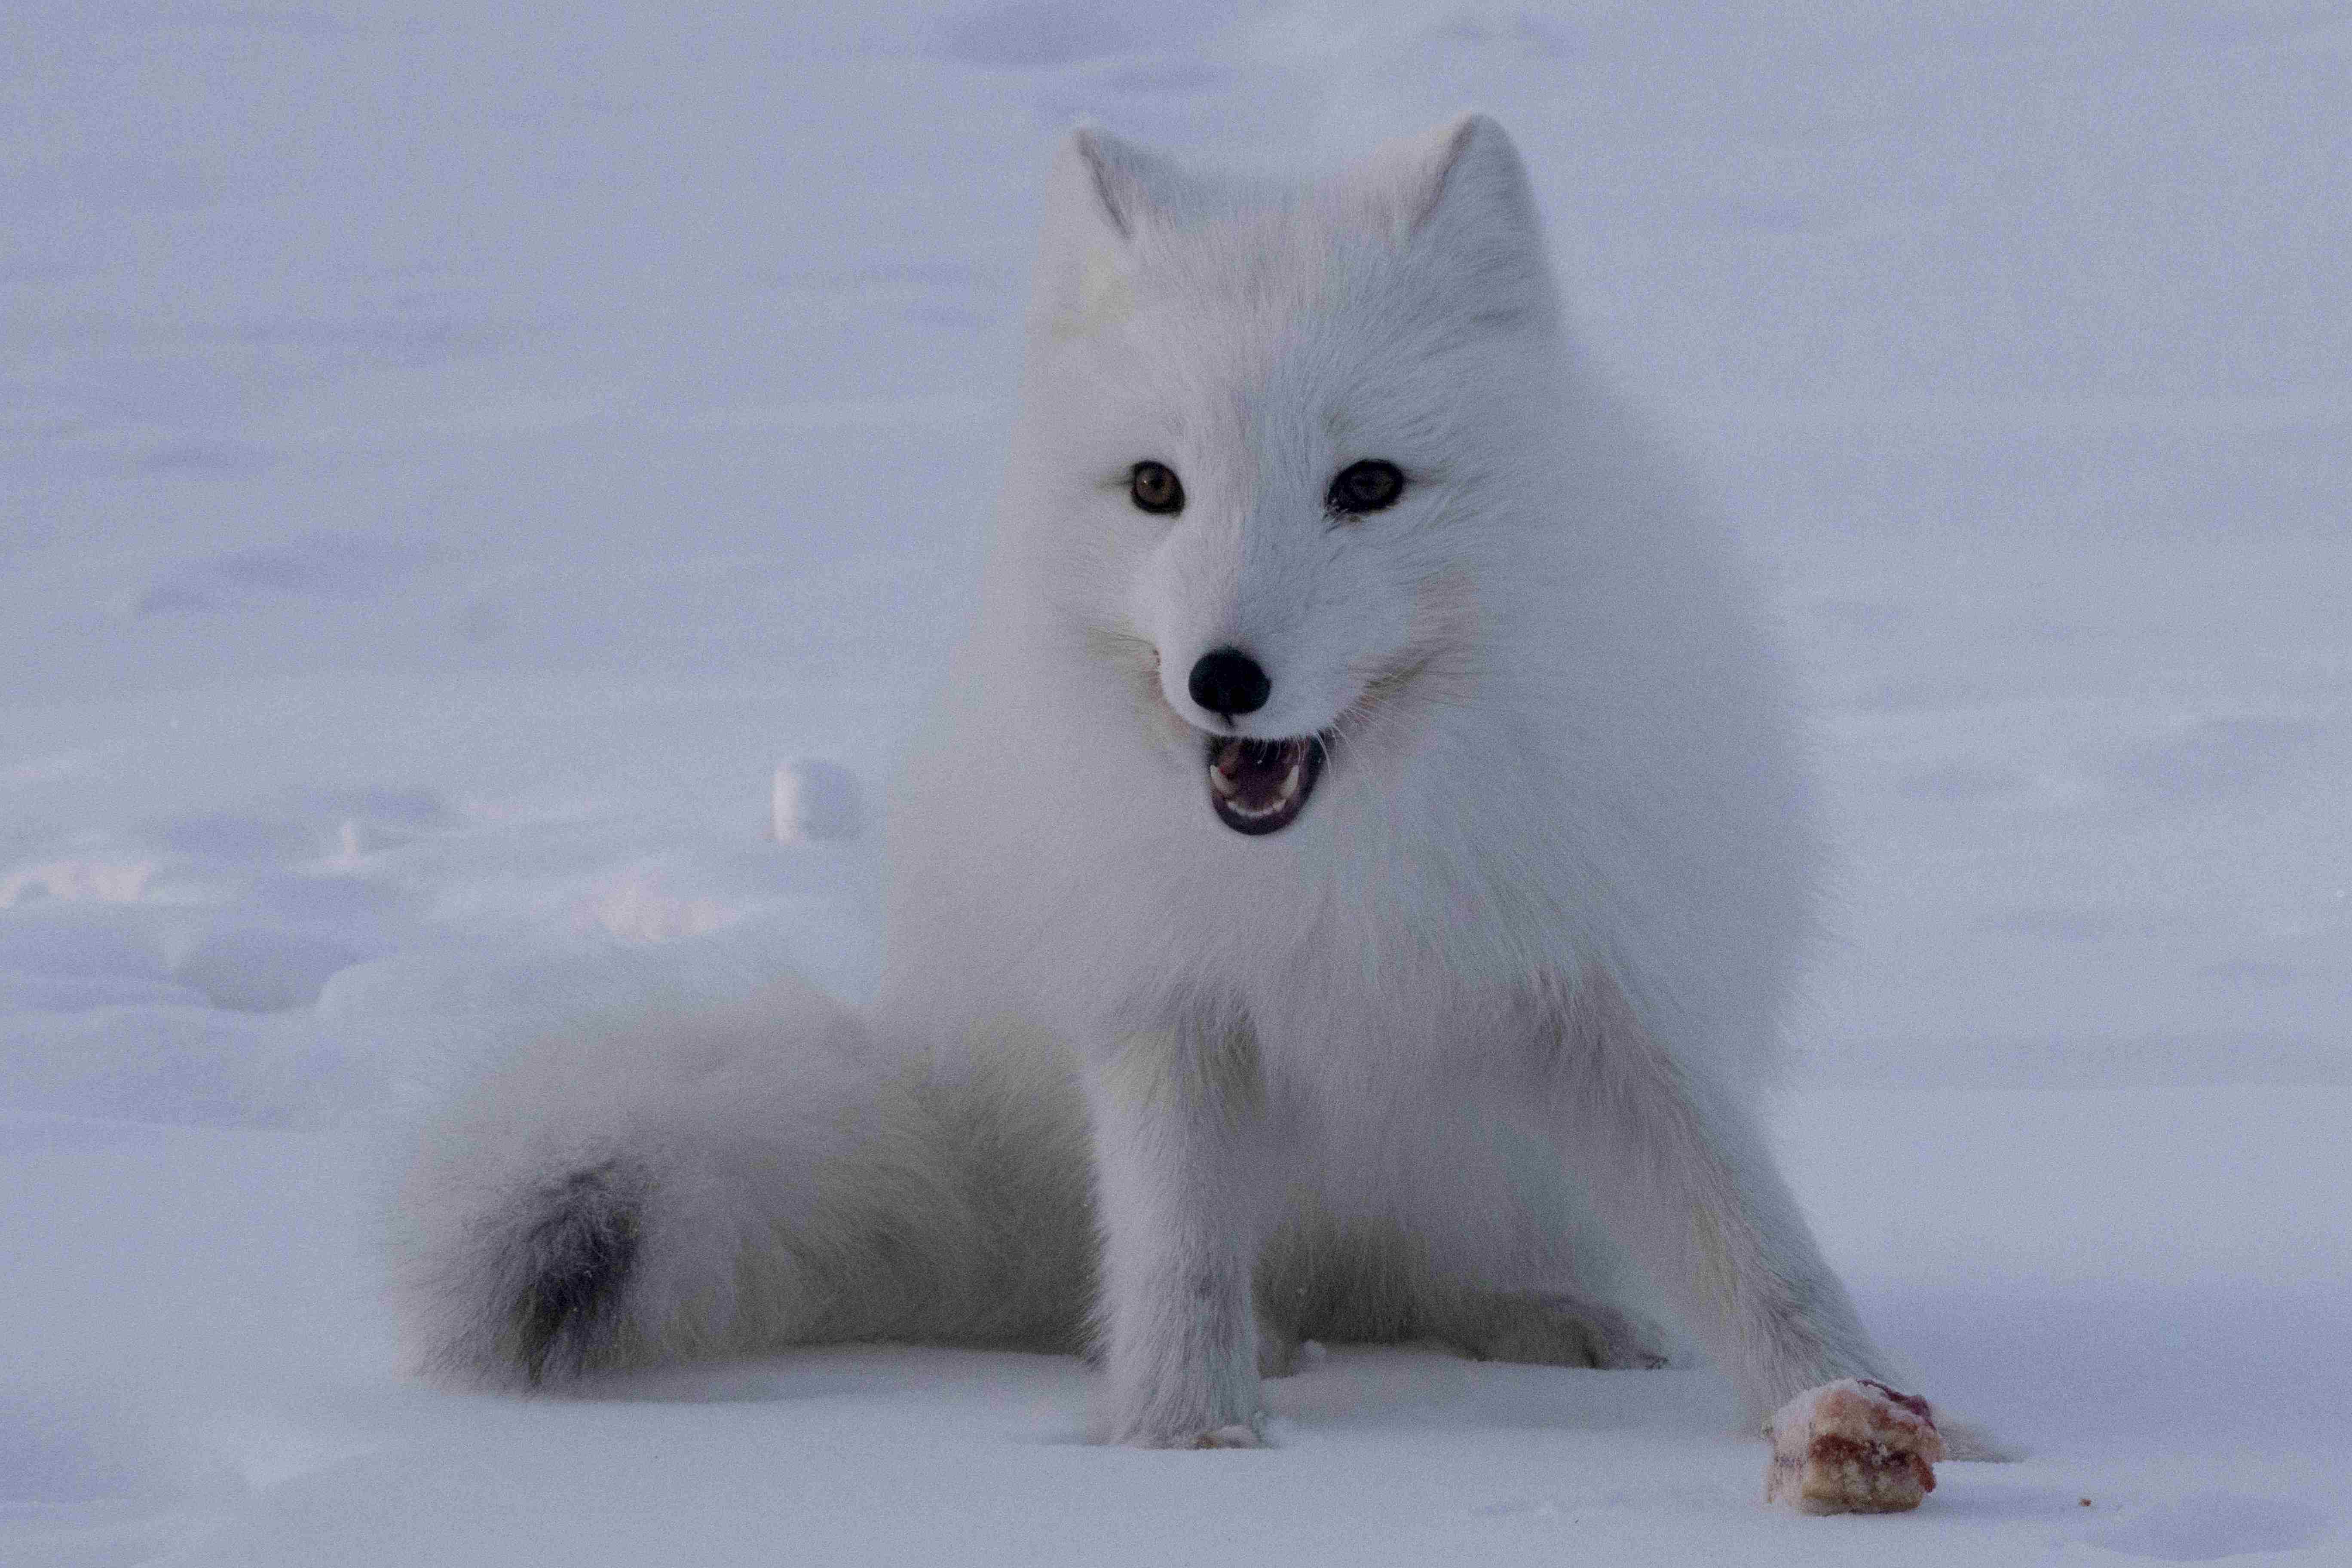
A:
{"points": [[731, 1181]]}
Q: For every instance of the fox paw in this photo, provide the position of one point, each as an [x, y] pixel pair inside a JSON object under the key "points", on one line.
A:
{"points": [[1239, 1434], [1853, 1446], [1182, 1434]]}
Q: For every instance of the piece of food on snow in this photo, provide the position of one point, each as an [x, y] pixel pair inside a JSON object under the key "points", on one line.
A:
{"points": [[1853, 1446]]}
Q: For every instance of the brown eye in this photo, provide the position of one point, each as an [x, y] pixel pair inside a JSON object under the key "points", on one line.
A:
{"points": [[1368, 486], [1155, 488]]}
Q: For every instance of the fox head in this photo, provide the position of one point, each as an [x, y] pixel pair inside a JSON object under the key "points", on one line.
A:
{"points": [[1273, 460]]}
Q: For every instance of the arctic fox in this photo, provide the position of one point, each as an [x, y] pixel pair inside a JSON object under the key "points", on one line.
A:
{"points": [[1349, 893]]}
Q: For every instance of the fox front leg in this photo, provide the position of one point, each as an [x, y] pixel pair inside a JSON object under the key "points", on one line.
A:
{"points": [[1181, 1177], [1681, 1178]]}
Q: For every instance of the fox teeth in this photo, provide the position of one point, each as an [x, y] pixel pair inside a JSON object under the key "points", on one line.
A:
{"points": [[1248, 795]]}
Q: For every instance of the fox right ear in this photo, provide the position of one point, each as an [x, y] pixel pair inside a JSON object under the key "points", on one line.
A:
{"points": [[1102, 193], [1130, 186]]}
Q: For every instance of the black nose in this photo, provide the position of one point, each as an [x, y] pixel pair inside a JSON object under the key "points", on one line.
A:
{"points": [[1228, 681]]}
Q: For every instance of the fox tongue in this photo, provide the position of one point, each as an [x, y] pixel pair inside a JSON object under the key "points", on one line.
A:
{"points": [[1249, 775]]}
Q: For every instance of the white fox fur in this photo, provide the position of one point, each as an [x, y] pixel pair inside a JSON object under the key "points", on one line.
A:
{"points": [[1482, 1025]]}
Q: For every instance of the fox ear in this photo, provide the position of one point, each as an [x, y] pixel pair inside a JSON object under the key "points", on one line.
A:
{"points": [[1464, 174], [1130, 186], [1458, 198], [1102, 193]]}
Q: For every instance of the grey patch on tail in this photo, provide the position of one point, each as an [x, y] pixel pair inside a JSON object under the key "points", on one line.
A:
{"points": [[580, 1239]]}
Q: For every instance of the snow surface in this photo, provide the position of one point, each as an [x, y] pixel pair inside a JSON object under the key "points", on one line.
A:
{"points": [[451, 457]]}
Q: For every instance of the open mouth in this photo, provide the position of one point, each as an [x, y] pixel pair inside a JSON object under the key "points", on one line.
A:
{"points": [[1261, 787]]}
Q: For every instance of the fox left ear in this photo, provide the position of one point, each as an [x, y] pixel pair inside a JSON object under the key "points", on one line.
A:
{"points": [[1458, 199], [1464, 174]]}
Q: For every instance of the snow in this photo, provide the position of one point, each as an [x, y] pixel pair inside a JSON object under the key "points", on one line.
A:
{"points": [[455, 472]]}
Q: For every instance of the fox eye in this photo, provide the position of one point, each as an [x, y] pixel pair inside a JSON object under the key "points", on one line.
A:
{"points": [[1154, 487], [1371, 485]]}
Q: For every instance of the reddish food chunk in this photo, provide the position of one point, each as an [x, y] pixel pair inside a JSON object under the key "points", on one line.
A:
{"points": [[1853, 1446]]}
